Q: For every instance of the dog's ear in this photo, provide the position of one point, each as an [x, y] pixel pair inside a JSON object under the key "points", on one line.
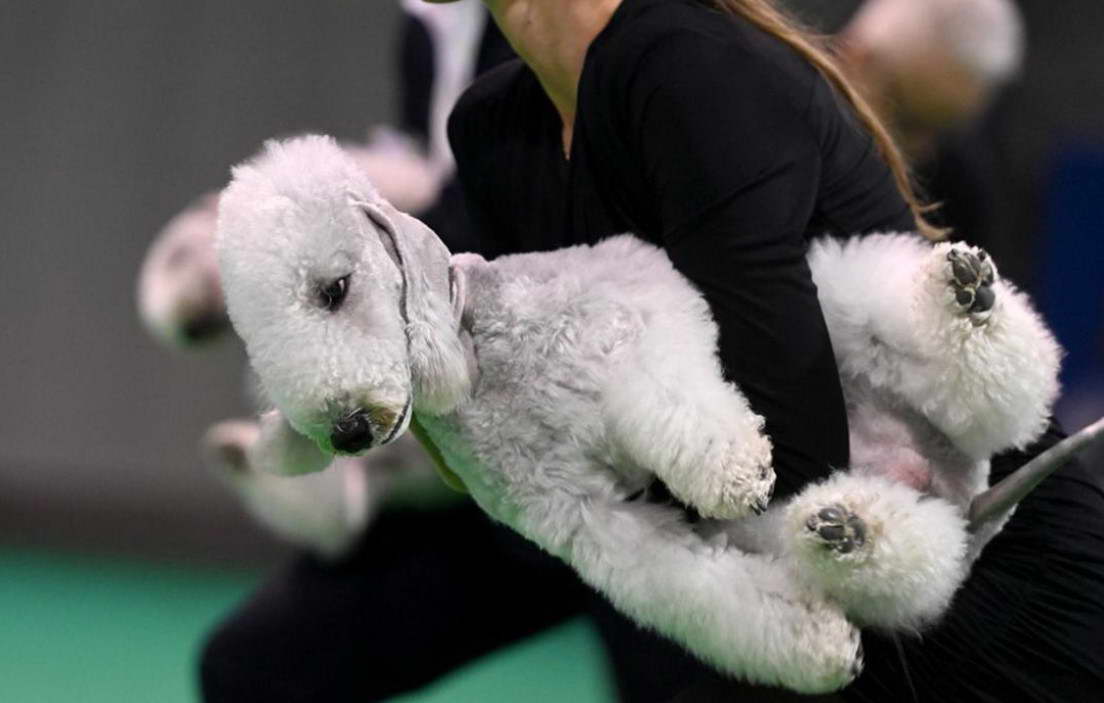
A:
{"points": [[437, 361]]}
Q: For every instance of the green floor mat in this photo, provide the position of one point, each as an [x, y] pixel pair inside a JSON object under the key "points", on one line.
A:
{"points": [[80, 629]]}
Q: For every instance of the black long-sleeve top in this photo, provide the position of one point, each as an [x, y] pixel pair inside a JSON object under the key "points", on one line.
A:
{"points": [[699, 133]]}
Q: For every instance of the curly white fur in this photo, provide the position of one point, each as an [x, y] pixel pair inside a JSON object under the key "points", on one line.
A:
{"points": [[559, 384]]}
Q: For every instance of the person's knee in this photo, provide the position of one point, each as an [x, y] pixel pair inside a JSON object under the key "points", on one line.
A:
{"points": [[260, 654], [223, 675]]}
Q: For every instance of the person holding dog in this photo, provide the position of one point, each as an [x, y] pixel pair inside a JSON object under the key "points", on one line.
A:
{"points": [[720, 131]]}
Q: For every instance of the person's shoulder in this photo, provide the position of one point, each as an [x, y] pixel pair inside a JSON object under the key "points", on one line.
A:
{"points": [[489, 94], [663, 40], [494, 85], [650, 21]]}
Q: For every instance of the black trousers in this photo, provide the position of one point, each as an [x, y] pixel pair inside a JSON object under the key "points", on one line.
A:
{"points": [[425, 592]]}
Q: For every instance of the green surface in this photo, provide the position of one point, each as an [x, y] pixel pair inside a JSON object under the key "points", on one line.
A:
{"points": [[88, 630]]}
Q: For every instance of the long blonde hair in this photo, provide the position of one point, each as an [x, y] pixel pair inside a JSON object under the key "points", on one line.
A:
{"points": [[771, 19]]}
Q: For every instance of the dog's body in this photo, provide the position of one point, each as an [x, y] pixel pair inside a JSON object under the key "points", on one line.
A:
{"points": [[558, 385]]}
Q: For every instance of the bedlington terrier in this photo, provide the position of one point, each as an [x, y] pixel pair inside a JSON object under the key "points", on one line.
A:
{"points": [[558, 385], [180, 303]]}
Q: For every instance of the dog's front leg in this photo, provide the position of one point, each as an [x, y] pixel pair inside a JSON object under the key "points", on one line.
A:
{"points": [[282, 450], [738, 612], [682, 422], [324, 511]]}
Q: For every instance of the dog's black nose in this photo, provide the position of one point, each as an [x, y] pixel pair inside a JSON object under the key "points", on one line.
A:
{"points": [[352, 434]]}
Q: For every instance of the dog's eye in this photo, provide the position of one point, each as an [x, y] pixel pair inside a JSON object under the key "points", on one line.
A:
{"points": [[332, 294]]}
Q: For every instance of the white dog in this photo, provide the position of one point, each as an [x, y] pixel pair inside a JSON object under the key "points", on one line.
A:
{"points": [[180, 303], [559, 384]]}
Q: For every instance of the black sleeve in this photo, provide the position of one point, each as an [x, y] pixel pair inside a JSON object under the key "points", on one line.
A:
{"points": [[721, 136]]}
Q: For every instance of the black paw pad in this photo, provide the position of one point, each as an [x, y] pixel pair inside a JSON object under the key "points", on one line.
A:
{"points": [[972, 278], [840, 529]]}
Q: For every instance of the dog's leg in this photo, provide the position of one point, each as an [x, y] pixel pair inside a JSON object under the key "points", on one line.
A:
{"points": [[281, 450], [741, 613], [890, 556], [938, 328], [996, 362], [325, 511], [684, 423]]}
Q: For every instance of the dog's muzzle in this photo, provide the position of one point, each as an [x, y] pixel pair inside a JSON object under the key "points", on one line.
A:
{"points": [[352, 434], [364, 429]]}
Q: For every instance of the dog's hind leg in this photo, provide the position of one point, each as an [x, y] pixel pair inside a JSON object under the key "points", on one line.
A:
{"points": [[995, 375], [684, 423], [741, 613], [889, 555], [936, 327]]}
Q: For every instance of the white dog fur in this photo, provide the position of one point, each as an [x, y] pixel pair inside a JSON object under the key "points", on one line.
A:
{"points": [[558, 385]]}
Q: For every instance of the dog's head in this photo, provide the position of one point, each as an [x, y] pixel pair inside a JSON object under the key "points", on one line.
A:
{"points": [[344, 303]]}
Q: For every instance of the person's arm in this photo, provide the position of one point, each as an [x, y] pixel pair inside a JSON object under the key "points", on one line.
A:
{"points": [[734, 170]]}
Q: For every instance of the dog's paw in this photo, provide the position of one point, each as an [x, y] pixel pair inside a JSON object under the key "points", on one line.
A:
{"points": [[970, 275], [830, 655], [833, 541], [839, 530], [887, 554], [741, 493], [832, 532], [225, 448], [739, 484]]}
